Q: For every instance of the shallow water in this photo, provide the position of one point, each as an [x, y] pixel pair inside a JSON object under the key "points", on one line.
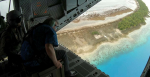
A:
{"points": [[130, 54], [130, 60]]}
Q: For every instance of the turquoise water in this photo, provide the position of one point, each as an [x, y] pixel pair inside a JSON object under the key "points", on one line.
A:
{"points": [[128, 65], [132, 63]]}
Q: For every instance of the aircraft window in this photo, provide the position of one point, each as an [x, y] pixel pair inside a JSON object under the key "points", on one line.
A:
{"points": [[4, 6]]}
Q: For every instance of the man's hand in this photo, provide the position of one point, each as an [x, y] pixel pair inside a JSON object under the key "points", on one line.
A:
{"points": [[58, 64], [51, 53]]}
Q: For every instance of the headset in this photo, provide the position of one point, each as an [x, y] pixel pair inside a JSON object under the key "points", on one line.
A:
{"points": [[14, 17]]}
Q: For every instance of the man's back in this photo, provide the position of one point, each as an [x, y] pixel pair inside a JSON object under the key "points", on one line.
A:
{"points": [[44, 39], [35, 46], [42, 35], [11, 41]]}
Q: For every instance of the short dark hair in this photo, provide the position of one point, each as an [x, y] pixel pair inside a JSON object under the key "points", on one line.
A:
{"points": [[49, 21]]}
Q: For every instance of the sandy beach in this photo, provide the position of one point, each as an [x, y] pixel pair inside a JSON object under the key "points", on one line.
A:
{"points": [[83, 43], [107, 13], [107, 50]]}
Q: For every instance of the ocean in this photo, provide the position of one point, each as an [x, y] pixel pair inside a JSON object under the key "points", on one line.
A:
{"points": [[130, 54]]}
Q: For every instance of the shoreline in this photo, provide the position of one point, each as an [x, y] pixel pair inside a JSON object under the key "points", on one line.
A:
{"points": [[113, 17], [98, 16], [102, 23], [114, 49], [89, 48], [85, 47]]}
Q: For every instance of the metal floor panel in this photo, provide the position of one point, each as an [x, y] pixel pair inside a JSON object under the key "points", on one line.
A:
{"points": [[79, 75], [90, 76], [87, 67], [71, 55], [69, 58], [83, 68], [72, 64], [102, 75]]}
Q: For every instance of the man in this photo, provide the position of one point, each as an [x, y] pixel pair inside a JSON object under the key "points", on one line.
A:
{"points": [[11, 38], [44, 39], [2, 27]]}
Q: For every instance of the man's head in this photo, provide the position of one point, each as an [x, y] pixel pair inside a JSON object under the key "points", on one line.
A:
{"points": [[14, 18], [51, 22]]}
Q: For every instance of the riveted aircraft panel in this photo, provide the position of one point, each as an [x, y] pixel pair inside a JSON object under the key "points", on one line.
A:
{"points": [[39, 7], [64, 11], [70, 4], [26, 7], [81, 2], [56, 9], [52, 2]]}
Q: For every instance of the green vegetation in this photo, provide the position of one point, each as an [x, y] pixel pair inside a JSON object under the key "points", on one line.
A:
{"points": [[136, 18], [95, 33]]}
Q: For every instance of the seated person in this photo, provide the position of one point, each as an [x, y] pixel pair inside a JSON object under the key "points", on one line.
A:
{"points": [[11, 38], [2, 25], [39, 45]]}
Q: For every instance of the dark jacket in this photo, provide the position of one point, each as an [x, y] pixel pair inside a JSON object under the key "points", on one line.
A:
{"points": [[11, 41]]}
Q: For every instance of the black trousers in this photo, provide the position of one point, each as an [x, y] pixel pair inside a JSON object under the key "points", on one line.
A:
{"points": [[15, 59], [60, 55]]}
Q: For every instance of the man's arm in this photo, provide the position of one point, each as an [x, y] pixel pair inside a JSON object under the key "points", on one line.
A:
{"points": [[6, 43], [51, 53]]}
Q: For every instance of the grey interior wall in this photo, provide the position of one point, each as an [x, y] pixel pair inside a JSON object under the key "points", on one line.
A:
{"points": [[63, 10]]}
